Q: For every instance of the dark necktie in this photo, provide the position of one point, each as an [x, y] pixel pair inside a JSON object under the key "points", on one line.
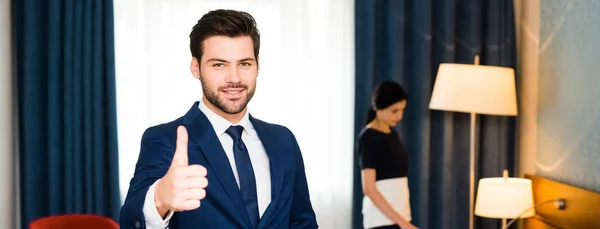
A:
{"points": [[245, 173]]}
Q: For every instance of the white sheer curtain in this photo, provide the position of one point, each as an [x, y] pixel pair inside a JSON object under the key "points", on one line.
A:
{"points": [[8, 134], [306, 82]]}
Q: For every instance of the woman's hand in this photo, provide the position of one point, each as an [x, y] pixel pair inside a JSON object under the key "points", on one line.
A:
{"points": [[407, 225]]}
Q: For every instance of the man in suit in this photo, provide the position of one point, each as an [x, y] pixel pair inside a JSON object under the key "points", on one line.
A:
{"points": [[218, 166]]}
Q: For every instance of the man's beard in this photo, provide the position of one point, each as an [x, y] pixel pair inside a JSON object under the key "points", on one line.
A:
{"points": [[214, 99]]}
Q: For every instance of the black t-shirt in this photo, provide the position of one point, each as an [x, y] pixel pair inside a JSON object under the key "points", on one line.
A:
{"points": [[383, 152]]}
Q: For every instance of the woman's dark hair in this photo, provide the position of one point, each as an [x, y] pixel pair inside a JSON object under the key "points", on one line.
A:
{"points": [[385, 94], [229, 23]]}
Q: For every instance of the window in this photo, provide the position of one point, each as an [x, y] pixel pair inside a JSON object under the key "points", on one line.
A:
{"points": [[306, 82]]}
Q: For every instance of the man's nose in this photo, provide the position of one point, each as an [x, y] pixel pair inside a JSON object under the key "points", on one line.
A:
{"points": [[234, 75]]}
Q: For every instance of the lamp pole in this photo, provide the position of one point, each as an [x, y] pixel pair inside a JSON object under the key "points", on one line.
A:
{"points": [[472, 166], [505, 176], [472, 171]]}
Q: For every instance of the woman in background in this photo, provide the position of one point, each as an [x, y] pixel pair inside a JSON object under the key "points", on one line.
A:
{"points": [[384, 161]]}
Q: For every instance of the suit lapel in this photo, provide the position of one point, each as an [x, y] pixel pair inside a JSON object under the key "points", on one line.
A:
{"points": [[273, 149], [200, 130]]}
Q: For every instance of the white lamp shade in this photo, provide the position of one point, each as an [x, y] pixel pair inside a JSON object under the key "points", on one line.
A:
{"points": [[504, 199], [475, 88]]}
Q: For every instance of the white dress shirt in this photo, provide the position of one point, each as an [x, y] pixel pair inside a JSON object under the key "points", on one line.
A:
{"points": [[258, 157]]}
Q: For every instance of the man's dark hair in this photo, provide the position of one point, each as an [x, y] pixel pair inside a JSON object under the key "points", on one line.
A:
{"points": [[229, 23]]}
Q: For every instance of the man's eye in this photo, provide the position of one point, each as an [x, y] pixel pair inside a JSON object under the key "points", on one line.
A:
{"points": [[218, 65], [246, 64]]}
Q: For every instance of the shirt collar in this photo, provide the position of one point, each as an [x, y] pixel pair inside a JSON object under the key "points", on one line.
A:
{"points": [[221, 124]]}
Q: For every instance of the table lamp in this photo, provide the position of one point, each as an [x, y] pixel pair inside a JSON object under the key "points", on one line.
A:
{"points": [[474, 89], [504, 198]]}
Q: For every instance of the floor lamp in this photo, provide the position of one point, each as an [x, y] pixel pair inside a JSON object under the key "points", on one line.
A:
{"points": [[474, 89]]}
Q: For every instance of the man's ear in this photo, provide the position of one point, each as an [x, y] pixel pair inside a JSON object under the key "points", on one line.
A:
{"points": [[195, 67]]}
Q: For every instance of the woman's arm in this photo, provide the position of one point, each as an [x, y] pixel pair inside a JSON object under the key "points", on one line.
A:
{"points": [[370, 190]]}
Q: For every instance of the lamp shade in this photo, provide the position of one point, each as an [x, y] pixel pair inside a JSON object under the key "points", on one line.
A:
{"points": [[475, 89], [504, 198]]}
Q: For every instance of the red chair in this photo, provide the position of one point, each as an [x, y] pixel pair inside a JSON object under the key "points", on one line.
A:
{"points": [[74, 221]]}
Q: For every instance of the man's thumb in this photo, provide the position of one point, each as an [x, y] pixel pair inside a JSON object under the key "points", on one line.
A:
{"points": [[180, 158]]}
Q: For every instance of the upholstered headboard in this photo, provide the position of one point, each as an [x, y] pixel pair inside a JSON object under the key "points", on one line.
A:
{"points": [[582, 206]]}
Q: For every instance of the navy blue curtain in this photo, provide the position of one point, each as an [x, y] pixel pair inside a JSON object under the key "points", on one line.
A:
{"points": [[405, 41], [65, 71]]}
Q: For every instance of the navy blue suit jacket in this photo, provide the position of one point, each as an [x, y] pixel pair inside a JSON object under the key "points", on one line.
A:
{"points": [[222, 207]]}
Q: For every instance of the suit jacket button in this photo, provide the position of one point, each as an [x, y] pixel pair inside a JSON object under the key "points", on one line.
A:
{"points": [[137, 224]]}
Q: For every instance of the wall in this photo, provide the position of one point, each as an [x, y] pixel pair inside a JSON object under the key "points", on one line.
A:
{"points": [[568, 130], [527, 21], [7, 191]]}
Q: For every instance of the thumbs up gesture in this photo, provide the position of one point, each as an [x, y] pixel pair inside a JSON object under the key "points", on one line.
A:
{"points": [[182, 188]]}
